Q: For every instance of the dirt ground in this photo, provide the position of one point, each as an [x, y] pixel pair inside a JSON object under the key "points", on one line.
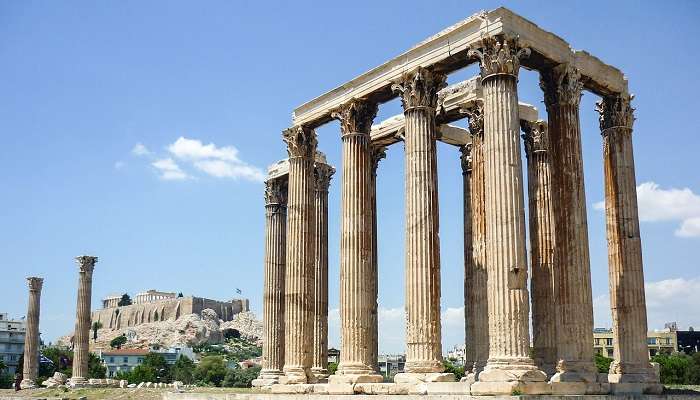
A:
{"points": [[104, 394]]}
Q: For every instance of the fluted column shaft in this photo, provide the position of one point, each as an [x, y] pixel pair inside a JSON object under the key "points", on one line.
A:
{"points": [[81, 338], [31, 338], [624, 244], [319, 364], [572, 285], [356, 287], [423, 330], [274, 282], [378, 153], [541, 245], [300, 256]]}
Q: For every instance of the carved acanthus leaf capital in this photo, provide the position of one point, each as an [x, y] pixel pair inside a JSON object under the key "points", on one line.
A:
{"points": [[535, 136], [420, 88], [377, 153], [276, 191], [466, 158], [475, 114], [301, 142], [615, 111], [561, 85], [35, 283], [499, 55], [86, 263], [323, 174], [356, 116]]}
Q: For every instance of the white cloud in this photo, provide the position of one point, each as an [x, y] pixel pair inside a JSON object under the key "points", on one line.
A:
{"points": [[140, 150], [667, 300], [657, 204], [119, 165], [169, 170], [219, 162], [223, 169]]}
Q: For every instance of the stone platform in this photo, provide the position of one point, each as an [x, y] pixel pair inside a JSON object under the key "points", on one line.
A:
{"points": [[310, 396]]}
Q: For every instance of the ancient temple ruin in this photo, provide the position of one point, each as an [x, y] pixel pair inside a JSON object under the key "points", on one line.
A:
{"points": [[497, 301]]}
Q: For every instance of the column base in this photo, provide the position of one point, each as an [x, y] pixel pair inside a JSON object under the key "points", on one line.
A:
{"points": [[351, 379], [512, 370], [27, 384], [634, 373], [77, 382], [267, 378], [295, 375], [421, 377], [575, 372], [320, 375]]}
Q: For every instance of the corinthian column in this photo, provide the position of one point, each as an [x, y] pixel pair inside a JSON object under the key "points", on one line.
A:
{"points": [[300, 256], [273, 292], [423, 342], [356, 292], [572, 275], [31, 337], [378, 153], [475, 275], [319, 364], [541, 245], [627, 299], [81, 338], [509, 365]]}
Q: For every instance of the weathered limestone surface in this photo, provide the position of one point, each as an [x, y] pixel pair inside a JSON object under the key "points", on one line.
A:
{"points": [[572, 286], [541, 245], [378, 153], [86, 265], [319, 363], [356, 263], [273, 293], [423, 341], [476, 294], [300, 256], [631, 361], [509, 364], [31, 338]]}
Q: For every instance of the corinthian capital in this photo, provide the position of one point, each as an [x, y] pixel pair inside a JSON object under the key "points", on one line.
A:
{"points": [[466, 158], [356, 116], [615, 111], [323, 174], [378, 153], [561, 85], [276, 191], [536, 137], [301, 142], [475, 114], [35, 283], [499, 55], [86, 263], [420, 88]]}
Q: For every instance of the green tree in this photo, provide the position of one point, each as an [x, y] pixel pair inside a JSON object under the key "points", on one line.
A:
{"points": [[602, 363], [2, 366], [332, 367], [96, 369], [450, 367], [157, 362], [125, 300], [142, 373], [118, 342], [210, 371], [675, 368], [240, 378], [123, 375], [97, 325], [183, 370]]}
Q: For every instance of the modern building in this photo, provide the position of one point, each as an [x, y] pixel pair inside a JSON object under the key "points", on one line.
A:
{"points": [[116, 360], [391, 364], [171, 354], [458, 355], [688, 341], [333, 355], [662, 341], [12, 333]]}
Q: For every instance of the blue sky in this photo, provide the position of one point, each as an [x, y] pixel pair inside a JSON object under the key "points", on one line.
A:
{"points": [[137, 132]]}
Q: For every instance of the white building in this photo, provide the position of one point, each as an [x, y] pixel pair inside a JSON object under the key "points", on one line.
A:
{"points": [[12, 333], [458, 355]]}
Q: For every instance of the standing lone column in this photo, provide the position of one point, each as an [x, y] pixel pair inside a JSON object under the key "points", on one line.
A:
{"points": [[81, 338], [301, 243], [476, 311], [356, 287], [572, 286], [423, 341], [273, 296], [378, 153], [319, 364], [509, 366], [627, 299], [31, 338], [541, 245]]}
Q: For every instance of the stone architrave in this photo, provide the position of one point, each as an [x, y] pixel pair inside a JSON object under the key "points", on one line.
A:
{"points": [[319, 363], [509, 366], [476, 311], [378, 153], [300, 256], [31, 338], [542, 233], [418, 91], [631, 360], [81, 338], [572, 274], [356, 301], [273, 296]]}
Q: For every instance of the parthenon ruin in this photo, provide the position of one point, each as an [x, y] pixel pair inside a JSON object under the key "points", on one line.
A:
{"points": [[497, 298]]}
